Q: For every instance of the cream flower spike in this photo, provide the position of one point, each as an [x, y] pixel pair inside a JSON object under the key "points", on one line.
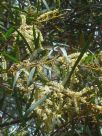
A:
{"points": [[23, 18]]}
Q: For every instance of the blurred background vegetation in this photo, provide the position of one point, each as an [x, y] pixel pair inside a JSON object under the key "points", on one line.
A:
{"points": [[50, 68]]}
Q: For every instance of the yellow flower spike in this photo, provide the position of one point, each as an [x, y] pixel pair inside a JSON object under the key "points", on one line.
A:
{"points": [[44, 116], [49, 102], [48, 111], [39, 111]]}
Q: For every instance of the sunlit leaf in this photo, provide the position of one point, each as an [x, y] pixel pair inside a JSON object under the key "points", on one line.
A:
{"points": [[18, 75], [48, 71], [36, 104], [65, 53], [46, 5], [31, 74]]}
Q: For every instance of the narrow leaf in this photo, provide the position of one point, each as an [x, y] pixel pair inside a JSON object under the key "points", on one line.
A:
{"points": [[66, 80], [18, 74], [9, 32], [36, 104], [30, 78], [46, 5], [10, 57]]}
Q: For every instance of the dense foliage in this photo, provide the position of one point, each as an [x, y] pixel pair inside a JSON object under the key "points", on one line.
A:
{"points": [[50, 67]]}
